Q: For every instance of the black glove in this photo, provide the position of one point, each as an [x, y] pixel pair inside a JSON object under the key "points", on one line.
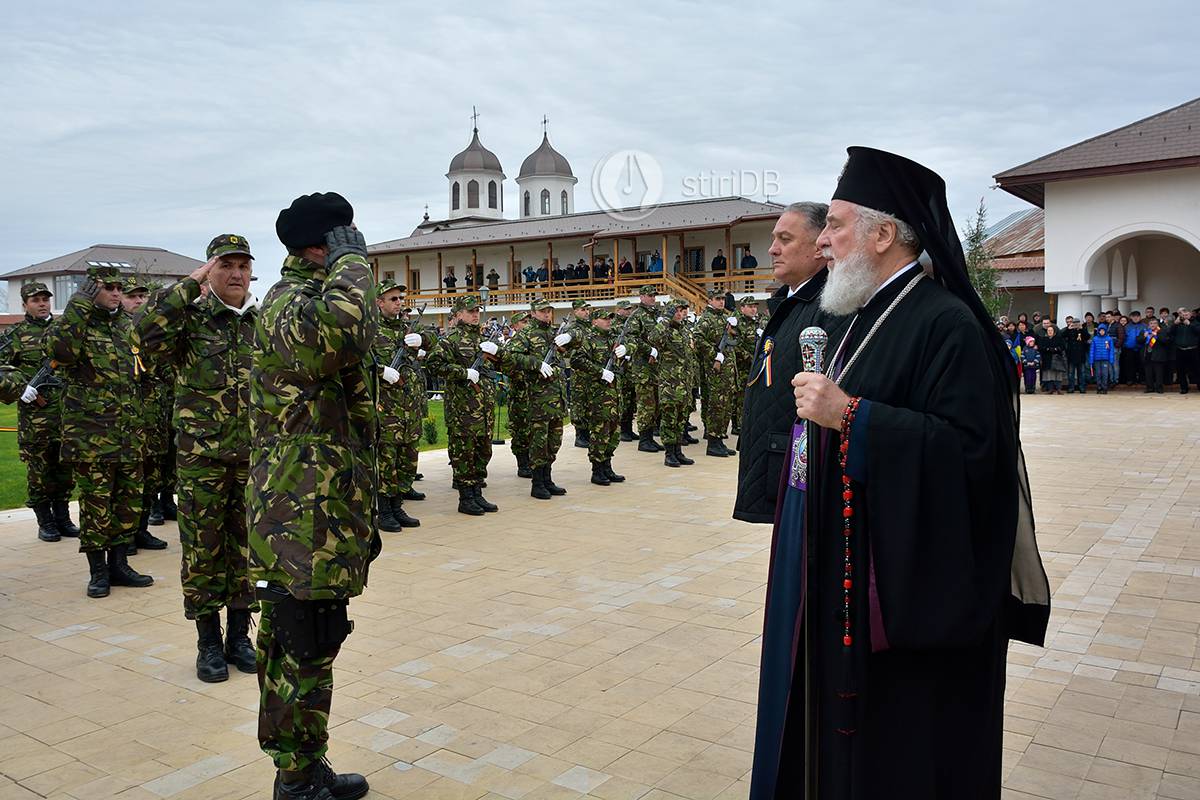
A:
{"points": [[343, 241], [90, 289]]}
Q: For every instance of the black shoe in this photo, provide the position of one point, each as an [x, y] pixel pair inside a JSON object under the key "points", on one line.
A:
{"points": [[482, 501], [62, 520], [523, 470], [551, 486], [627, 432], [669, 459], [583, 437], [538, 489], [98, 580], [729, 451], [714, 448], [156, 513], [646, 443], [47, 529], [466, 502], [169, 509], [386, 520], [689, 439], [681, 458], [210, 659], [420, 476], [239, 651], [121, 574], [402, 517], [736, 430], [147, 540], [412, 494], [690, 426], [599, 476], [323, 784], [612, 476]]}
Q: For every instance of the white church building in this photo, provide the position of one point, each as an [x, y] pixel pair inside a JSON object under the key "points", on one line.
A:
{"points": [[1122, 215]]}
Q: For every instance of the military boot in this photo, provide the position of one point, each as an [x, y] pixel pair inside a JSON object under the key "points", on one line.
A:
{"points": [[322, 783], [538, 490], [689, 439], [210, 661], [62, 520], [412, 494], [669, 458], [728, 450], [156, 513], [523, 470], [612, 476], [482, 501], [47, 530], [386, 518], [420, 476], [714, 448], [169, 509], [646, 443], [627, 431], [551, 486], [402, 517], [466, 502], [121, 574], [681, 458], [143, 538], [238, 649], [98, 581], [599, 476], [582, 437]]}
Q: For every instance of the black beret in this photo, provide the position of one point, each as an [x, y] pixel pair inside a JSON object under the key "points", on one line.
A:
{"points": [[306, 221]]}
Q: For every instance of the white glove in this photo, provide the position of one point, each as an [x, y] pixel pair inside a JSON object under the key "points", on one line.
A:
{"points": [[421, 353], [390, 375], [562, 340], [758, 332], [619, 351], [732, 321], [607, 375], [412, 339], [489, 348], [720, 358], [472, 375], [545, 369], [654, 352], [29, 395]]}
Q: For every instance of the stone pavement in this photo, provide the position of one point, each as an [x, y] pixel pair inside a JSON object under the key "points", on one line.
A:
{"points": [[605, 644]]}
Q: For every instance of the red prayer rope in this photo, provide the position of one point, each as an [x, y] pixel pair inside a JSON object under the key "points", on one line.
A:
{"points": [[847, 517]]}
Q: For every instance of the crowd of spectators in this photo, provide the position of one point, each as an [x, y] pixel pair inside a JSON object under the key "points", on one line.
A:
{"points": [[1153, 350]]}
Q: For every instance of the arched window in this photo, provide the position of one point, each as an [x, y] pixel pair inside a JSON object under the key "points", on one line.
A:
{"points": [[564, 201], [472, 194], [526, 214], [492, 194], [546, 202], [454, 200]]}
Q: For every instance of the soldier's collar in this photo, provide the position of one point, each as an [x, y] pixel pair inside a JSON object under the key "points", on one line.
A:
{"points": [[219, 305], [301, 267]]}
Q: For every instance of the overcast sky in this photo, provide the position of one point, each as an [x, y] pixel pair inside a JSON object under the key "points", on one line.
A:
{"points": [[163, 123]]}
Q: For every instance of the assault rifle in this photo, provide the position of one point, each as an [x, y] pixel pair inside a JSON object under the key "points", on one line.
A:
{"points": [[45, 377], [403, 356], [552, 350], [608, 365]]}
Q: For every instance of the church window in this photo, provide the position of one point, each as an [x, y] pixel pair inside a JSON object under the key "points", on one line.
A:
{"points": [[472, 194], [491, 194], [454, 201], [546, 202], [563, 198], [526, 214]]}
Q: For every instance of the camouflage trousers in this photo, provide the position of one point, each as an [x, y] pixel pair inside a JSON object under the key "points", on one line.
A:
{"points": [[545, 438], [470, 451], [293, 702], [166, 474], [676, 408], [47, 477], [645, 386], [628, 398], [518, 424], [580, 399], [215, 571], [110, 503], [604, 428], [397, 459], [717, 402]]}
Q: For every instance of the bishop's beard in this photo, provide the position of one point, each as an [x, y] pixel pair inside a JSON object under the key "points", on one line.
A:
{"points": [[850, 285]]}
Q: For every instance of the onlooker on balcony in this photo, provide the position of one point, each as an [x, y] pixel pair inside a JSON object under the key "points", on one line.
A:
{"points": [[450, 281], [656, 264], [719, 264], [493, 279], [626, 267], [749, 262]]}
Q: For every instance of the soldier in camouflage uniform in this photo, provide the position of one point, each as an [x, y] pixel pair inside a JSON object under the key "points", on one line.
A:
{"points": [[155, 395], [39, 417], [748, 331], [597, 358], [579, 325], [645, 369], [518, 407], [676, 368], [310, 498], [470, 402], [526, 355], [207, 341], [101, 425], [715, 335], [401, 406], [625, 371]]}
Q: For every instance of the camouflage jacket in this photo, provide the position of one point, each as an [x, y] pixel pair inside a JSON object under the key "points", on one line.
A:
{"points": [[24, 349], [468, 405], [310, 497], [579, 329], [545, 397], [747, 340], [637, 338], [401, 404], [12, 384], [709, 331], [589, 361], [102, 404], [207, 349], [676, 358]]}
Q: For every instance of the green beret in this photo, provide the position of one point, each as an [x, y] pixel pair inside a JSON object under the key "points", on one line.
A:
{"points": [[228, 244], [105, 274], [539, 304], [648, 289], [468, 302], [36, 287]]}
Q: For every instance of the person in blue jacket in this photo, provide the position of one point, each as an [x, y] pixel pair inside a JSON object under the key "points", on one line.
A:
{"points": [[1102, 354], [1132, 370]]}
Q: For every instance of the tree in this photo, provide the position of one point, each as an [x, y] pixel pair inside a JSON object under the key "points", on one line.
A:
{"points": [[983, 275]]}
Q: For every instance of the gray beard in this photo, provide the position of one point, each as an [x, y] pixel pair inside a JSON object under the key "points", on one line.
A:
{"points": [[850, 285]]}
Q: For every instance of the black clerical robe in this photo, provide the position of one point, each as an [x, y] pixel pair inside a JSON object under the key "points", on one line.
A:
{"points": [[914, 706]]}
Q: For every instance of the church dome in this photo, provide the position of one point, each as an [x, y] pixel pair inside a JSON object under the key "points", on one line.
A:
{"points": [[475, 157], [545, 161]]}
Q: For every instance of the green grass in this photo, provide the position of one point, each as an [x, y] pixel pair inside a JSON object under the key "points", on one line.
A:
{"points": [[437, 411]]}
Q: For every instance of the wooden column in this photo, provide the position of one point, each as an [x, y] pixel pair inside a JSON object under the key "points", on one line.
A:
{"points": [[440, 276], [664, 254], [475, 271], [512, 266], [616, 259], [407, 271], [549, 263], [682, 253]]}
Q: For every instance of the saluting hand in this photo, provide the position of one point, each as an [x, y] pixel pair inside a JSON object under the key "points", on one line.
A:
{"points": [[819, 399], [200, 273]]}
